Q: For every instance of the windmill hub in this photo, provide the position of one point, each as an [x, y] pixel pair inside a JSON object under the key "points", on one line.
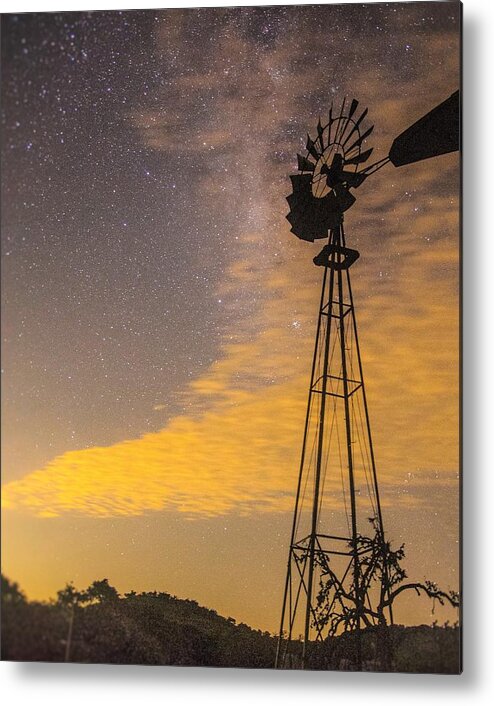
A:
{"points": [[330, 165]]}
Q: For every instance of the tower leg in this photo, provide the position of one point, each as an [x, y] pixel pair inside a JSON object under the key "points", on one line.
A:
{"points": [[317, 482], [279, 657]]}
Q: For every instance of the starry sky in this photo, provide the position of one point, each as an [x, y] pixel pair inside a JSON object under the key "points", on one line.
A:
{"points": [[158, 315]]}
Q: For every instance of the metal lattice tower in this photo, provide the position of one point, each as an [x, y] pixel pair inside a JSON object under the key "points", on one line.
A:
{"points": [[338, 575], [337, 488]]}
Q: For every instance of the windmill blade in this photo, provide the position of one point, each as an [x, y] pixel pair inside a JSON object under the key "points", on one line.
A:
{"points": [[356, 126], [304, 164], [337, 135], [329, 123], [320, 134], [353, 108], [436, 133], [311, 148], [312, 217], [300, 182], [362, 157], [344, 130], [303, 235], [291, 200], [362, 137]]}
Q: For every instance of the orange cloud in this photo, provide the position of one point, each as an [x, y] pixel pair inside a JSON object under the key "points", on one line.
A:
{"points": [[238, 449]]}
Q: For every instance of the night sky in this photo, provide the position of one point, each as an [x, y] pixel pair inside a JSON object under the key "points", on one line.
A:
{"points": [[158, 315]]}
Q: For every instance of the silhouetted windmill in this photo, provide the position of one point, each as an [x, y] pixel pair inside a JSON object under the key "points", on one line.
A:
{"points": [[337, 491]]}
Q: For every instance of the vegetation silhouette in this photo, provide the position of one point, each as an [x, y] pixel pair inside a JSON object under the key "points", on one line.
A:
{"points": [[97, 625], [380, 566]]}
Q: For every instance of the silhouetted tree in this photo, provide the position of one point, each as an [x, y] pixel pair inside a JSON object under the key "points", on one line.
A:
{"points": [[11, 593], [340, 609], [102, 592], [69, 598]]}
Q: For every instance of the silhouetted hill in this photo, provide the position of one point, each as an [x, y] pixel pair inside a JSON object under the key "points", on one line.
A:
{"points": [[419, 649], [146, 628], [160, 629]]}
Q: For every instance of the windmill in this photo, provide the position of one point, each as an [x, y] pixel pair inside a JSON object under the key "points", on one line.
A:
{"points": [[337, 577]]}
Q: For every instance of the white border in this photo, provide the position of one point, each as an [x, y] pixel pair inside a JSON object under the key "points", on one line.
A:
{"points": [[79, 685]]}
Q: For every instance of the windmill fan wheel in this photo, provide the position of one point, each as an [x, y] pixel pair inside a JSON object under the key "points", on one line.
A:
{"points": [[327, 172]]}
